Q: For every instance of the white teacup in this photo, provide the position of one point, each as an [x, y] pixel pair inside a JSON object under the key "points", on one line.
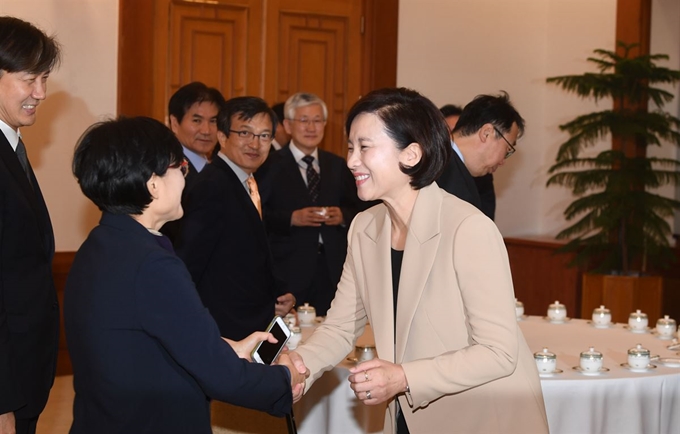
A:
{"points": [[666, 327], [638, 321], [557, 312], [638, 357], [602, 316], [290, 320], [591, 360], [306, 315], [546, 362]]}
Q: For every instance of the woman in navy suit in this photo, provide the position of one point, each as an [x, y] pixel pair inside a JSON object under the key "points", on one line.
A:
{"points": [[147, 356]]}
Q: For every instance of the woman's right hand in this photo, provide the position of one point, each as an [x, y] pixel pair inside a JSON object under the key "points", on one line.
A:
{"points": [[244, 347]]}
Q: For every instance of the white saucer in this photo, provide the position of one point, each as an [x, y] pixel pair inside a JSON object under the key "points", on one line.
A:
{"points": [[557, 322], [598, 326], [550, 374], [658, 336], [522, 318], [627, 327], [598, 372], [671, 362], [631, 369]]}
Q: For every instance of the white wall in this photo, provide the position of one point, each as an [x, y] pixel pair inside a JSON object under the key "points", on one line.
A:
{"points": [[448, 50], [80, 93], [453, 50]]}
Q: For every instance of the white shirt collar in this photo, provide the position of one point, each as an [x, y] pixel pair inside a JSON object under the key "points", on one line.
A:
{"points": [[199, 161], [240, 173], [299, 155], [11, 135], [455, 148]]}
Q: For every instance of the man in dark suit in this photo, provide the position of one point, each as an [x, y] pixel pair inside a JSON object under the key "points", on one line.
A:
{"points": [[222, 238], [484, 183], [309, 198], [484, 137], [29, 310], [282, 137], [193, 113]]}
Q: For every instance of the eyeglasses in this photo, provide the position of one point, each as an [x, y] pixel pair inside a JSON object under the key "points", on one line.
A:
{"points": [[249, 136], [308, 122], [183, 167], [512, 148]]}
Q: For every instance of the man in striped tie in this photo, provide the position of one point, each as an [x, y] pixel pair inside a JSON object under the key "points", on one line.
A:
{"points": [[222, 238], [309, 198]]}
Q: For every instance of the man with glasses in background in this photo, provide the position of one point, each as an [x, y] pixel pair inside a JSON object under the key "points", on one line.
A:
{"points": [[222, 239], [309, 198], [484, 137]]}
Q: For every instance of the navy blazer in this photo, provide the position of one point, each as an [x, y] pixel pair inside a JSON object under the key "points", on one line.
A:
{"points": [[224, 245], [283, 190], [29, 310], [147, 356]]}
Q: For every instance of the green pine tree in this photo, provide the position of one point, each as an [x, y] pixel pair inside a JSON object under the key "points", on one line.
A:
{"points": [[617, 223]]}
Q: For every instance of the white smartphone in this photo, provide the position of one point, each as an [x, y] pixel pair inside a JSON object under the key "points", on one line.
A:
{"points": [[266, 352]]}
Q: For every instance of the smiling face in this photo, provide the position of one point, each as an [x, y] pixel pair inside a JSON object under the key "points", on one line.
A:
{"points": [[20, 94], [247, 153], [307, 128], [374, 158], [198, 129]]}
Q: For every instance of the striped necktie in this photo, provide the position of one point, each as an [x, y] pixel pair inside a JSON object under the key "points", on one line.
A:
{"points": [[313, 178], [254, 194]]}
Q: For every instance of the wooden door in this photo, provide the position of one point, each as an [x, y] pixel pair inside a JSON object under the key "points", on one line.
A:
{"points": [[337, 49], [315, 47], [216, 42]]}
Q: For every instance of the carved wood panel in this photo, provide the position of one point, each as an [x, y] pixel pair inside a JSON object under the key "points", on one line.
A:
{"points": [[317, 48]]}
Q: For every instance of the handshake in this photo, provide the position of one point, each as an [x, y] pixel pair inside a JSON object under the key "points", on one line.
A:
{"points": [[298, 371]]}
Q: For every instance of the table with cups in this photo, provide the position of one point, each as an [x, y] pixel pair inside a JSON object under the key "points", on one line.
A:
{"points": [[601, 377], [596, 377]]}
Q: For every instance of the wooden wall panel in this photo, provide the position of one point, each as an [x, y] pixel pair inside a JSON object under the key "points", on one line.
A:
{"points": [[540, 276], [316, 47], [216, 44]]}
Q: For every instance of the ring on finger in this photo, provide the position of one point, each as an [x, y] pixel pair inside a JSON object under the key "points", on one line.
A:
{"points": [[366, 375], [368, 394]]}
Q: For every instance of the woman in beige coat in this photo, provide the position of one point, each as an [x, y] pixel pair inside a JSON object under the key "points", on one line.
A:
{"points": [[430, 273]]}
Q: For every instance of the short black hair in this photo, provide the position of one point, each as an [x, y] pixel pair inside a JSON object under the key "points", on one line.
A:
{"points": [[245, 108], [410, 117], [278, 111], [114, 159], [451, 110], [24, 47], [190, 94], [489, 109]]}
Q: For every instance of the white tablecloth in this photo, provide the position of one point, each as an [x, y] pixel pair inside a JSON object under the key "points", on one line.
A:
{"points": [[616, 402]]}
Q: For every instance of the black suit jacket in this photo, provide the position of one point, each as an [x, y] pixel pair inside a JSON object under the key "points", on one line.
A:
{"points": [[456, 179], [224, 245], [487, 194], [146, 353], [171, 229], [283, 190], [29, 311]]}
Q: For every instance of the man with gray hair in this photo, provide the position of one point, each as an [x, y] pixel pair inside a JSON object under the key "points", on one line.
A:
{"points": [[308, 198], [29, 310]]}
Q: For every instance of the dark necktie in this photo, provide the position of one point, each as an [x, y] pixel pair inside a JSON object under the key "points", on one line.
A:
{"points": [[313, 178], [23, 159]]}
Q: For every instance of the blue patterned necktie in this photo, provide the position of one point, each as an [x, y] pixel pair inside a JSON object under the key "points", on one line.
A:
{"points": [[313, 178]]}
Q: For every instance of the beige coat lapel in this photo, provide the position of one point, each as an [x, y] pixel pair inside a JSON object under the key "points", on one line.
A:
{"points": [[422, 242], [375, 250]]}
